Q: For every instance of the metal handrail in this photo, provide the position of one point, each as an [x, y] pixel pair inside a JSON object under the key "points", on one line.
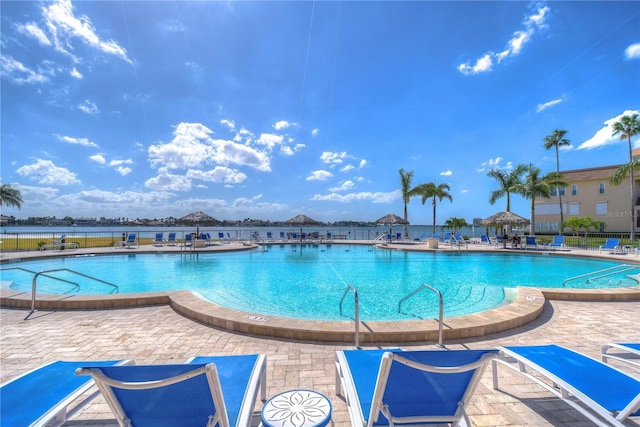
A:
{"points": [[45, 275], [356, 309], [35, 279], [441, 307], [611, 270]]}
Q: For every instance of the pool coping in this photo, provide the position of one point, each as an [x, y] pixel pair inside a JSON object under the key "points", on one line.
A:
{"points": [[526, 307]]}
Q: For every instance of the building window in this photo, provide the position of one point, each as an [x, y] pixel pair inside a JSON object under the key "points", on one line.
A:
{"points": [[562, 191], [554, 191], [602, 208], [574, 209], [574, 190], [601, 188]]}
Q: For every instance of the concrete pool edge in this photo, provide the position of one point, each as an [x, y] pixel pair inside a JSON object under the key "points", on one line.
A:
{"points": [[526, 307]]}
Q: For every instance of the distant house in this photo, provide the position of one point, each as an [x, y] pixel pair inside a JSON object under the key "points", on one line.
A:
{"points": [[589, 193], [85, 222]]}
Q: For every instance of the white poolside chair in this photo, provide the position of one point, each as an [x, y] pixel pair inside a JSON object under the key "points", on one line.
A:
{"points": [[41, 397], [417, 388], [624, 352], [206, 391], [602, 393]]}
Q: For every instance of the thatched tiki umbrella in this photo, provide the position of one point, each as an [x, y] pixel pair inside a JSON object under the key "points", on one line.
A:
{"points": [[504, 218], [301, 221], [391, 220]]}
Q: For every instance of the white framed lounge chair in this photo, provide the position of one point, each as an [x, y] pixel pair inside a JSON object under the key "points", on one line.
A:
{"points": [[387, 387], [132, 239], [612, 245], [61, 244], [557, 242], [530, 242], [600, 392], [158, 240], [41, 396], [171, 240], [205, 391], [624, 352]]}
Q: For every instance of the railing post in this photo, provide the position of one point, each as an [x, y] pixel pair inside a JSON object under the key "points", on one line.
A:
{"points": [[357, 312]]}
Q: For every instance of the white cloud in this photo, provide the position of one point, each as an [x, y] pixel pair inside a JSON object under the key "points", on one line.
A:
{"points": [[315, 132], [347, 168], [193, 147], [77, 141], [446, 173], [603, 136], [362, 164], [333, 158], [123, 171], [357, 197], [218, 174], [520, 38], [88, 107], [542, 107], [47, 173], [166, 181], [120, 162], [346, 185], [269, 140], [98, 158], [64, 26], [76, 74], [31, 29], [319, 175], [632, 51], [282, 124], [491, 163], [228, 123], [16, 72]]}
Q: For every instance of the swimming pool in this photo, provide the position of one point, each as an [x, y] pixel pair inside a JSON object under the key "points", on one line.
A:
{"points": [[308, 281]]}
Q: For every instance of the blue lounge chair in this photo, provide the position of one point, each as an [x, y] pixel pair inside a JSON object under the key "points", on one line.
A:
{"points": [[625, 352], [171, 240], [188, 240], [207, 391], [612, 245], [382, 387], [459, 241], [40, 397], [422, 238], [283, 237], [484, 240], [530, 242], [132, 239], [600, 392], [329, 237], [270, 236], [558, 242], [158, 240]]}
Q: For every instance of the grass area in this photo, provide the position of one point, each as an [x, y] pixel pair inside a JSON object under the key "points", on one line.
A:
{"points": [[34, 244]]}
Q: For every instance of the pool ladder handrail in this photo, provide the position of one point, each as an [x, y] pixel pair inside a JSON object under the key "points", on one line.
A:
{"points": [[609, 271], [45, 275], [440, 305], [43, 272], [356, 309]]}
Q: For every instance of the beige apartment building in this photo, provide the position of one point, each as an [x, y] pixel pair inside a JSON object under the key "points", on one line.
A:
{"points": [[590, 193]]}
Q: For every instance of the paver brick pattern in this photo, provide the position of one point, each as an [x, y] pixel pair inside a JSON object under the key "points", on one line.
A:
{"points": [[160, 335]]}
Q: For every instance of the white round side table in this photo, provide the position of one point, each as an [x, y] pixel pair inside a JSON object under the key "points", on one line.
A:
{"points": [[297, 408]]}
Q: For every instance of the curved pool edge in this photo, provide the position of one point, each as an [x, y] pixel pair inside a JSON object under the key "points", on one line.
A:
{"points": [[526, 307]]}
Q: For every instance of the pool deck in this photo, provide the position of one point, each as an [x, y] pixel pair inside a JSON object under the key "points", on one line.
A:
{"points": [[160, 334]]}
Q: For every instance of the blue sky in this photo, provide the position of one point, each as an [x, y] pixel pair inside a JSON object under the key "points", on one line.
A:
{"points": [[269, 109]]}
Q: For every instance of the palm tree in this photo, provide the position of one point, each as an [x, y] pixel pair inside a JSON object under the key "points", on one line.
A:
{"points": [[557, 139], [10, 196], [441, 191], [455, 224], [508, 182], [577, 223], [535, 186], [627, 127], [405, 184]]}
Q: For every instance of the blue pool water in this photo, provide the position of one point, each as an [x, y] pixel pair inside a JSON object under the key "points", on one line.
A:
{"points": [[308, 281]]}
